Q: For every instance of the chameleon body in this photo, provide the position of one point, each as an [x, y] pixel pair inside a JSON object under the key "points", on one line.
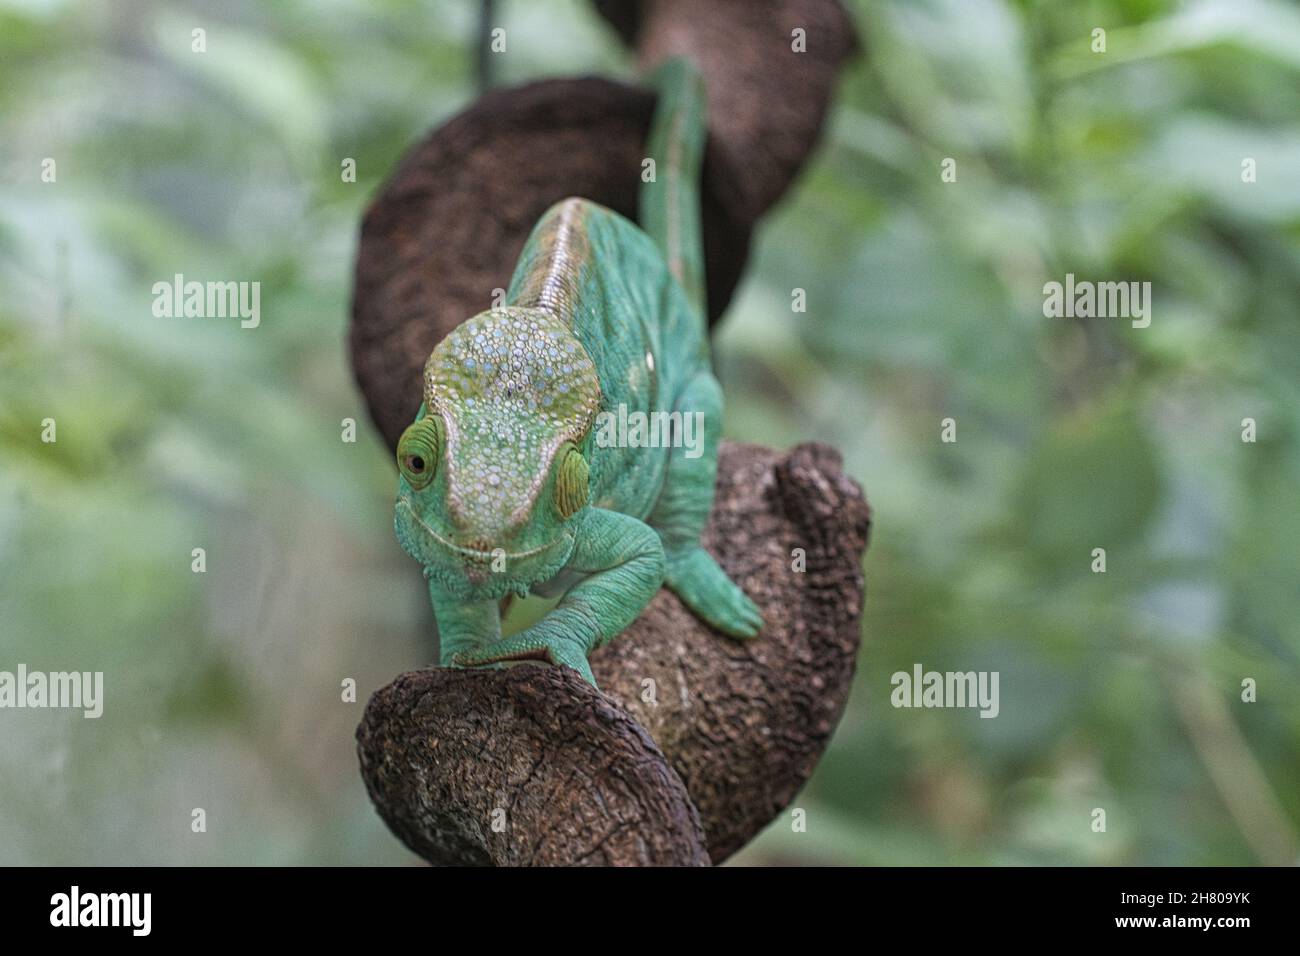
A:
{"points": [[506, 484]]}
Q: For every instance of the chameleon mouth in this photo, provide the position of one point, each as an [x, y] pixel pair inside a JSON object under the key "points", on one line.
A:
{"points": [[471, 552]]}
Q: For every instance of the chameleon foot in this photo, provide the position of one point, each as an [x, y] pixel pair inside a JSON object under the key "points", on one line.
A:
{"points": [[713, 597], [526, 646]]}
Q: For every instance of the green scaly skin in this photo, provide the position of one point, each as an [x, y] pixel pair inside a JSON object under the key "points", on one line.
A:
{"points": [[507, 488]]}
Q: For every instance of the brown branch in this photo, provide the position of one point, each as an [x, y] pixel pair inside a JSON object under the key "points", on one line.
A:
{"points": [[740, 724], [529, 766], [767, 102]]}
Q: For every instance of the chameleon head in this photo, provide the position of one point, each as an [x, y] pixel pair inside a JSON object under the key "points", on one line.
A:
{"points": [[492, 473]]}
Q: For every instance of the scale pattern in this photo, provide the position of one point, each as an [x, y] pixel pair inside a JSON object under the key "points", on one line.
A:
{"points": [[513, 386]]}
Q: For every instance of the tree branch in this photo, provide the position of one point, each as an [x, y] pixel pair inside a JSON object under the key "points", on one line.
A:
{"points": [[741, 725]]}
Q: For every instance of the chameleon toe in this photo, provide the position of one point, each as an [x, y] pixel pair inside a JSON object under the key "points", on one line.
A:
{"points": [[741, 620], [525, 647], [705, 588]]}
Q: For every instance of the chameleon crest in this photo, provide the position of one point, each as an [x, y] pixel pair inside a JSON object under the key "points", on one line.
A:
{"points": [[514, 387]]}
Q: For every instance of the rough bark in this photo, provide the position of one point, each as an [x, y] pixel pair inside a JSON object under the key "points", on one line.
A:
{"points": [[744, 724], [522, 767], [741, 725], [767, 101]]}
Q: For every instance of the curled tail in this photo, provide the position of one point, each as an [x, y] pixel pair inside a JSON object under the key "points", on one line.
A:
{"points": [[670, 203]]}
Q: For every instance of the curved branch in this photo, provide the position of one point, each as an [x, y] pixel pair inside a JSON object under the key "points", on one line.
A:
{"points": [[741, 725], [767, 96], [528, 766]]}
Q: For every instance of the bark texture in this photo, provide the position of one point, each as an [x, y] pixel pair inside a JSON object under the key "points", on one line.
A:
{"points": [[522, 767], [767, 98], [744, 723]]}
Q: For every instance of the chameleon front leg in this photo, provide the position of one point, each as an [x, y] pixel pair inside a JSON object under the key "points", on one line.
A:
{"points": [[683, 509], [623, 563], [463, 626]]}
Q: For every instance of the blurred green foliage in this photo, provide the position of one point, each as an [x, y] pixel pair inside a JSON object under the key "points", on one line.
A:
{"points": [[1119, 690]]}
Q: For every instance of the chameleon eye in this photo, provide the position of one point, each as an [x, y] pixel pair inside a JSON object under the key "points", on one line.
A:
{"points": [[418, 450], [571, 482]]}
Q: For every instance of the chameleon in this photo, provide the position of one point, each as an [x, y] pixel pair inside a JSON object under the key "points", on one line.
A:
{"points": [[507, 487]]}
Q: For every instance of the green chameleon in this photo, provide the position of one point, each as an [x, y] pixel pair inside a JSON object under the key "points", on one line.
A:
{"points": [[506, 488]]}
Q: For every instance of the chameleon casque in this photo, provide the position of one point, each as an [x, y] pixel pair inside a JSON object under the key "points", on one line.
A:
{"points": [[505, 487]]}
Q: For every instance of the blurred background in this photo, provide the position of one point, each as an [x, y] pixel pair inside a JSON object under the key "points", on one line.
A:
{"points": [[1119, 691]]}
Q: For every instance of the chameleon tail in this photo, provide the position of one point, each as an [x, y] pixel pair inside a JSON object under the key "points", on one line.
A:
{"points": [[670, 203]]}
